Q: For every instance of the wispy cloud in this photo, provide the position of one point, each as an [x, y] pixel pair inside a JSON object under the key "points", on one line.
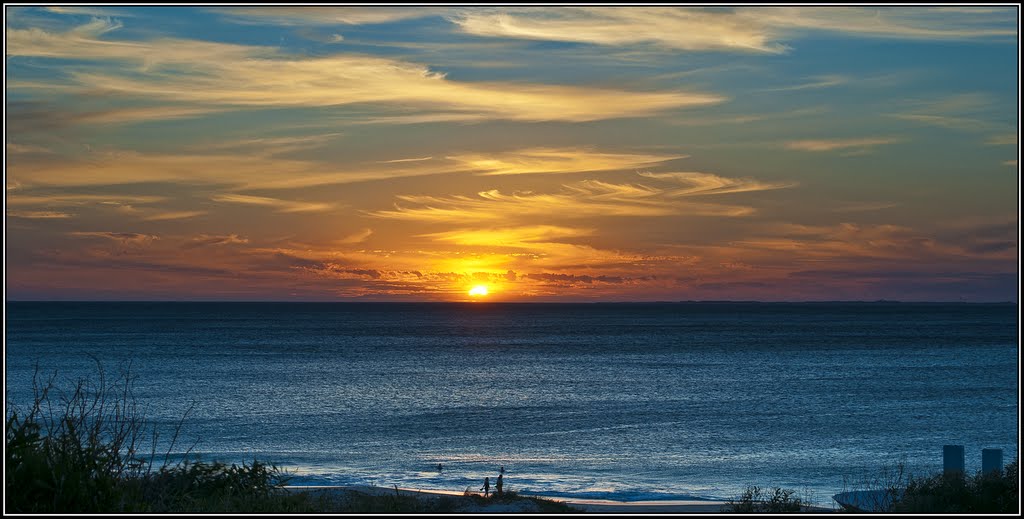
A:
{"points": [[226, 75], [528, 237], [396, 161], [814, 83], [945, 121], [77, 199], [861, 207], [555, 160], [206, 240], [840, 144], [1003, 140], [128, 238], [44, 215], [587, 198], [913, 23], [173, 215], [711, 184], [324, 15], [282, 206], [14, 149], [759, 29], [357, 237], [670, 28], [966, 112]]}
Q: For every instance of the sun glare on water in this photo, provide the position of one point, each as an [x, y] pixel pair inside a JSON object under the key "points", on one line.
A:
{"points": [[478, 291]]}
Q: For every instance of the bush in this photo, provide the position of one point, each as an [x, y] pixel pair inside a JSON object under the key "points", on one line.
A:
{"points": [[81, 451], [951, 494], [757, 500]]}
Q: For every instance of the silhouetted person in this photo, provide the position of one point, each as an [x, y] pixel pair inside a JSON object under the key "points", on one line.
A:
{"points": [[501, 470], [439, 468], [487, 486], [497, 486]]}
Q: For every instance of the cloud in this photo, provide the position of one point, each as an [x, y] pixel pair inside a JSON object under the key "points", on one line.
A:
{"points": [[172, 215], [127, 238], [271, 146], [518, 237], [863, 207], [1012, 163], [358, 237], [322, 15], [1004, 139], [282, 206], [905, 23], [555, 160], [225, 75], [750, 30], [840, 144], [77, 199], [965, 112], [711, 184], [100, 12], [816, 82], [583, 199], [668, 28], [44, 215], [205, 240], [14, 149], [395, 161], [943, 121], [573, 279], [31, 116], [575, 202]]}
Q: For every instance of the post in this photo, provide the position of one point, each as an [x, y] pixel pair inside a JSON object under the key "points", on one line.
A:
{"points": [[992, 461], [953, 459]]}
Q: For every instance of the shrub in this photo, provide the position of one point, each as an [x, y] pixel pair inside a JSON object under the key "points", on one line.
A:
{"points": [[81, 451], [757, 500], [981, 493]]}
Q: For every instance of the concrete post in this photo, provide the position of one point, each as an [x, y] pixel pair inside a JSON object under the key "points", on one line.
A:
{"points": [[953, 459], [992, 461]]}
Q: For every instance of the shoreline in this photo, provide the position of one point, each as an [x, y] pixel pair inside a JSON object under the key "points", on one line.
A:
{"points": [[598, 506]]}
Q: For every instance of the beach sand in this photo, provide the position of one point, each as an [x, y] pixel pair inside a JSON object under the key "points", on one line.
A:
{"points": [[589, 506]]}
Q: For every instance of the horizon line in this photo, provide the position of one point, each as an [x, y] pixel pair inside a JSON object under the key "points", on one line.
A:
{"points": [[349, 301]]}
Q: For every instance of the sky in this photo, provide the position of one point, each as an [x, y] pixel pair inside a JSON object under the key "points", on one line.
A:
{"points": [[662, 153]]}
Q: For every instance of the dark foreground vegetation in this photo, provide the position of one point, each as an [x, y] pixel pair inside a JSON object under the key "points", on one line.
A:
{"points": [[898, 493], [89, 449], [981, 493]]}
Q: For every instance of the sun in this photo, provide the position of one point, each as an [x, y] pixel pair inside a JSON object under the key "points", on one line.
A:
{"points": [[478, 291]]}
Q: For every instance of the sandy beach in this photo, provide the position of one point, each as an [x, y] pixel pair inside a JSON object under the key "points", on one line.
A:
{"points": [[589, 506]]}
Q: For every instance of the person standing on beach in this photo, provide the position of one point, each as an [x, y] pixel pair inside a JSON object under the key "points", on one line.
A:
{"points": [[487, 486], [497, 486]]}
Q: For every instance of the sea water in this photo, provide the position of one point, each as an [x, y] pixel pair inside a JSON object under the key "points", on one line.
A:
{"points": [[608, 401]]}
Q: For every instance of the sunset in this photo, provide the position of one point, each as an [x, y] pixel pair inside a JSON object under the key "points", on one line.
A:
{"points": [[577, 154], [582, 244]]}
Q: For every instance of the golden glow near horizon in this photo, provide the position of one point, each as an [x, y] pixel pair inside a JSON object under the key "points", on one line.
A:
{"points": [[674, 153]]}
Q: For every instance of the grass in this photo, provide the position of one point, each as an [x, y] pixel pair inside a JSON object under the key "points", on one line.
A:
{"points": [[755, 500], [90, 449], [957, 494]]}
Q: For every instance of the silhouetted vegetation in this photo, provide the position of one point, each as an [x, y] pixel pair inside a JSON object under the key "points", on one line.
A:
{"points": [[82, 450], [90, 450], [756, 500], [996, 492]]}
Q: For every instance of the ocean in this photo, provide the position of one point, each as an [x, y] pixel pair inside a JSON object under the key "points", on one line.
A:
{"points": [[603, 401]]}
